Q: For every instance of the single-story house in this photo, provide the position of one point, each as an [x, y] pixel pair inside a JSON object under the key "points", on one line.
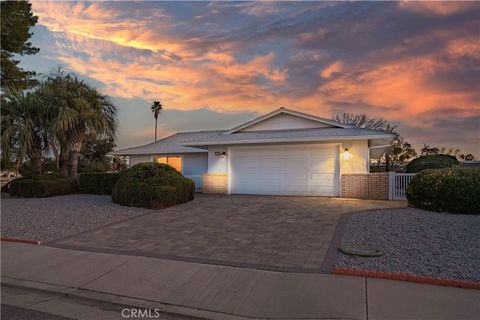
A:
{"points": [[284, 152]]}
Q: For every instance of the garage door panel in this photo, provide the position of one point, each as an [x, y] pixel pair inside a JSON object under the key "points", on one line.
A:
{"points": [[295, 189], [295, 165], [322, 176], [322, 165], [319, 152], [294, 178], [285, 169]]}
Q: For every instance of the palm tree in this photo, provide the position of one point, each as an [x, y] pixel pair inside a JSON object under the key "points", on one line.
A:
{"points": [[24, 119], [156, 107], [79, 110], [364, 121]]}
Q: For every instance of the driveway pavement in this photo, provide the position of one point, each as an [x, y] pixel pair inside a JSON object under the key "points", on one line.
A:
{"points": [[261, 232]]}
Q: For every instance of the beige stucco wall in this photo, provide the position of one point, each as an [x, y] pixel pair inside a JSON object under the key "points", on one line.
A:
{"points": [[359, 160], [217, 164]]}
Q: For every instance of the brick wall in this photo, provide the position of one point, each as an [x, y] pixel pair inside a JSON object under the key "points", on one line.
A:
{"points": [[215, 183], [365, 186]]}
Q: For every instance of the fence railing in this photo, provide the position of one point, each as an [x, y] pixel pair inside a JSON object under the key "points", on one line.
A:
{"points": [[397, 184], [197, 179]]}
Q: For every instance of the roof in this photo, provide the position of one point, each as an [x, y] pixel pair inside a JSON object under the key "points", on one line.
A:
{"points": [[194, 142], [291, 112], [171, 144], [293, 135]]}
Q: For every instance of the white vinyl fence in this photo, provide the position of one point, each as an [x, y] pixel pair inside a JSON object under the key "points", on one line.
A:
{"points": [[397, 184], [197, 179]]}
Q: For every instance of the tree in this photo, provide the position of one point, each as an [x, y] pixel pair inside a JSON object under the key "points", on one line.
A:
{"points": [[364, 121], [24, 120], [156, 107], [79, 110], [402, 151], [93, 154], [16, 20], [427, 150]]}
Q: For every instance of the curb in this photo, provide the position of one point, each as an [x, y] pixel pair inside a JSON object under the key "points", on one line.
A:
{"points": [[407, 277], [29, 241], [131, 302]]}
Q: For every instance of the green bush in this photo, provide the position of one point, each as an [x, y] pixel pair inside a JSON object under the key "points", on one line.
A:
{"points": [[152, 185], [455, 190], [45, 185], [434, 161], [97, 183]]}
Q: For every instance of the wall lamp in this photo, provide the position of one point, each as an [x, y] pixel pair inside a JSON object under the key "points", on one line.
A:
{"points": [[223, 154], [346, 154]]}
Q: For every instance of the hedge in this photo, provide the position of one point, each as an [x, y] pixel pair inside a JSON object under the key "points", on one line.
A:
{"points": [[455, 190], [152, 185], [97, 183], [45, 185], [434, 161]]}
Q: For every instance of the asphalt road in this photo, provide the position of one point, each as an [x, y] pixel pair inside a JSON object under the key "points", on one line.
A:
{"points": [[15, 313]]}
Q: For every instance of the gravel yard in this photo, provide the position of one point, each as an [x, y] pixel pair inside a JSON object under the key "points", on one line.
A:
{"points": [[52, 218], [416, 242]]}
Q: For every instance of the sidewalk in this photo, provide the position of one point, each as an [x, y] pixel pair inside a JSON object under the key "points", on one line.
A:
{"points": [[218, 292]]}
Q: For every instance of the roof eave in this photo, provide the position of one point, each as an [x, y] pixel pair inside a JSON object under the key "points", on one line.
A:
{"points": [[281, 140]]}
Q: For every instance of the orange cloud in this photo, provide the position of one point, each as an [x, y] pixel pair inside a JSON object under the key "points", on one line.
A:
{"points": [[331, 69], [441, 8]]}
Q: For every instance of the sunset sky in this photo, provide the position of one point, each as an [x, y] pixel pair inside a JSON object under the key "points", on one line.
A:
{"points": [[216, 65]]}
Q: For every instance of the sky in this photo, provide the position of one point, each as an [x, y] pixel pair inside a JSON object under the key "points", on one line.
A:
{"points": [[215, 65]]}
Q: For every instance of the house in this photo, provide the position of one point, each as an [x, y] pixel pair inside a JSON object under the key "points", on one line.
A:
{"points": [[284, 152]]}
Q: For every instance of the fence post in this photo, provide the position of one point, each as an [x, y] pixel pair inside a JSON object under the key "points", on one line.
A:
{"points": [[391, 184]]}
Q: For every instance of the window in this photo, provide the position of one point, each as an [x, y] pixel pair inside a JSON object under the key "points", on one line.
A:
{"points": [[175, 162]]}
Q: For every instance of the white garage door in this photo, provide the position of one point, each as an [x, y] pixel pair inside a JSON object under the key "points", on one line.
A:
{"points": [[285, 170]]}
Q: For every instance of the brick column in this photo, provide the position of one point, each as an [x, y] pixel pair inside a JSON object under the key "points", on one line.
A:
{"points": [[365, 186], [215, 183]]}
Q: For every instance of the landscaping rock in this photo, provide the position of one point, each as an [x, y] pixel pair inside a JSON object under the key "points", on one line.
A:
{"points": [[416, 242]]}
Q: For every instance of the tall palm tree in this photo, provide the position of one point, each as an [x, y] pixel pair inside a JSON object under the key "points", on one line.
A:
{"points": [[24, 120], [79, 110], [156, 107]]}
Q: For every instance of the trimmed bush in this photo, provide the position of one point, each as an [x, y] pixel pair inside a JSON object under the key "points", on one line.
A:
{"points": [[45, 185], [434, 161], [455, 190], [97, 183], [152, 185]]}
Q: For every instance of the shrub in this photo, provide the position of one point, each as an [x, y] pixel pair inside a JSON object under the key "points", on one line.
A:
{"points": [[97, 183], [435, 161], [45, 185], [455, 190], [152, 185]]}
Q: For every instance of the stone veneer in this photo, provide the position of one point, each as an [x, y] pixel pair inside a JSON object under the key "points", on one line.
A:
{"points": [[365, 186], [215, 183]]}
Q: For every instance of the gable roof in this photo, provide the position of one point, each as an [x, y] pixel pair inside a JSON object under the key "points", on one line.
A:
{"points": [[283, 110], [168, 145], [292, 135]]}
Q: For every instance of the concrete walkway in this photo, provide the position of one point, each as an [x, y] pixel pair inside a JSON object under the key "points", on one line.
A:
{"points": [[219, 292]]}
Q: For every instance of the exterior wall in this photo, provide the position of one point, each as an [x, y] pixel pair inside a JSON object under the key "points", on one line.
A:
{"points": [[134, 159], [195, 163], [217, 164], [285, 121], [365, 186], [359, 160], [215, 183]]}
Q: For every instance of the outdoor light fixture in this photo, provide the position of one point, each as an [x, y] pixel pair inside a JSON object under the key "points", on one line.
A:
{"points": [[223, 154], [346, 155]]}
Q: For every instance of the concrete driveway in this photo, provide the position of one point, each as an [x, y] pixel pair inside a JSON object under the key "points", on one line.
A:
{"points": [[261, 232]]}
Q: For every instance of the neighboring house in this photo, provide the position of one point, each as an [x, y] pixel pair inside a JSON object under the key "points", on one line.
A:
{"points": [[284, 152]]}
